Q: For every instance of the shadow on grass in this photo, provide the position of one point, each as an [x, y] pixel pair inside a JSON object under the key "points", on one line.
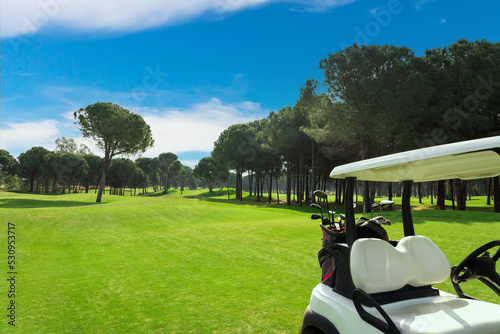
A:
{"points": [[155, 194], [221, 196], [18, 203], [421, 213], [214, 193]]}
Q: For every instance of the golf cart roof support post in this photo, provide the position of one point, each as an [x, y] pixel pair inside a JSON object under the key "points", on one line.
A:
{"points": [[406, 208], [349, 211]]}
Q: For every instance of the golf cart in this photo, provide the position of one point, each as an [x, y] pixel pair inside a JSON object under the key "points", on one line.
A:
{"points": [[380, 285]]}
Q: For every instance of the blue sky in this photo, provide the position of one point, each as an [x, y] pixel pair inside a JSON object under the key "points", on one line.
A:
{"points": [[192, 68]]}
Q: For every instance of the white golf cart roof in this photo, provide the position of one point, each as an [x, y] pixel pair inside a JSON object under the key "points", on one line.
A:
{"points": [[472, 159]]}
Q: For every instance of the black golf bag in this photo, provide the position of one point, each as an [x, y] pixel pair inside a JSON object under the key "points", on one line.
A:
{"points": [[328, 256]]}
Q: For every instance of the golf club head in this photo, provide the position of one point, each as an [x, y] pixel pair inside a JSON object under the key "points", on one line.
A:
{"points": [[320, 194], [314, 205], [315, 216], [382, 221]]}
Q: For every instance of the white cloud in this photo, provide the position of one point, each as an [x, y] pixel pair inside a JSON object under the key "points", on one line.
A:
{"points": [[320, 5], [19, 137], [24, 17], [198, 127], [189, 163], [29, 16]]}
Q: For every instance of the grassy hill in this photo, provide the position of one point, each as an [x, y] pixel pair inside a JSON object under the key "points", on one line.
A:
{"points": [[196, 263]]}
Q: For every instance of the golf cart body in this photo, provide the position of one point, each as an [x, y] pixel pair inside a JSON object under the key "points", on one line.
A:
{"points": [[385, 286]]}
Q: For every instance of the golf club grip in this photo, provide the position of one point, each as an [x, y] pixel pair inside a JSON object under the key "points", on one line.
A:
{"points": [[328, 231]]}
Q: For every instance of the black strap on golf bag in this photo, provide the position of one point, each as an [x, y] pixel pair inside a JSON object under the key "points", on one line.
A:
{"points": [[328, 255], [327, 258]]}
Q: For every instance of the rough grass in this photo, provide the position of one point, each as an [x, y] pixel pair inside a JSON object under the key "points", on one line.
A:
{"points": [[196, 263]]}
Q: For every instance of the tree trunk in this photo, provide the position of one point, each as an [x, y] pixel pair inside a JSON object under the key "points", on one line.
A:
{"points": [[278, 190], [432, 192], [299, 180], [356, 185], [257, 190], [337, 199], [420, 192], [366, 197], [307, 185], [250, 182], [373, 190], [270, 188], [240, 179], [488, 191], [102, 183], [32, 182], [496, 193], [288, 184], [54, 185], [441, 193], [452, 193], [461, 193], [263, 179], [313, 173]]}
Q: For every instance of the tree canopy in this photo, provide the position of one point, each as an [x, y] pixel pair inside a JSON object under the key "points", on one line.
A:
{"points": [[115, 130]]}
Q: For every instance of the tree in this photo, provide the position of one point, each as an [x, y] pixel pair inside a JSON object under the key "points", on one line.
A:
{"points": [[8, 168], [51, 170], [206, 169], [175, 169], [190, 178], [8, 163], [95, 170], [289, 144], [465, 100], [115, 130], [73, 169], [64, 145], [139, 179], [84, 150], [151, 168], [121, 173], [366, 80], [236, 148], [166, 160], [182, 178], [31, 163]]}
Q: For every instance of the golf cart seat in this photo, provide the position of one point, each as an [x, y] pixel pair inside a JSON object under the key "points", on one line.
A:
{"points": [[377, 267]]}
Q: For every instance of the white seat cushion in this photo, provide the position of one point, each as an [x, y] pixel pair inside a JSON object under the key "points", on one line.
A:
{"points": [[377, 266]]}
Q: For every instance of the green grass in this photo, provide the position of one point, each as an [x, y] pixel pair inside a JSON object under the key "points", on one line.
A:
{"points": [[196, 263]]}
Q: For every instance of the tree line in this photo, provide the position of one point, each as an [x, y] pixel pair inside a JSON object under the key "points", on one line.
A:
{"points": [[72, 169], [375, 100]]}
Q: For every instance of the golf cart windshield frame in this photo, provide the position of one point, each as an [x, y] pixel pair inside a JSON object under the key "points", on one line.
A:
{"points": [[472, 159]]}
